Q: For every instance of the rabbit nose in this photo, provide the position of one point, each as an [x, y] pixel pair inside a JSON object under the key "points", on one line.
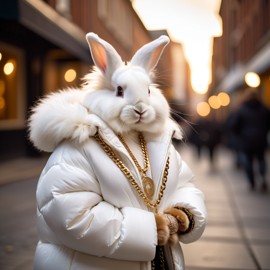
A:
{"points": [[139, 109], [140, 113]]}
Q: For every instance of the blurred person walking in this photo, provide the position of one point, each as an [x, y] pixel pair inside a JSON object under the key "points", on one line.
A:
{"points": [[251, 124], [207, 133]]}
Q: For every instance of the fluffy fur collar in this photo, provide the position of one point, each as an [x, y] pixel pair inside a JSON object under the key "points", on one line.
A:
{"points": [[63, 115]]}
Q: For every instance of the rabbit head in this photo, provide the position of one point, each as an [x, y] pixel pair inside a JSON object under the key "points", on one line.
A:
{"points": [[124, 95]]}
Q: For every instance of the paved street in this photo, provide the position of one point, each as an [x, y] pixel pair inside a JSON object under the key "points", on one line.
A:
{"points": [[18, 233], [237, 235]]}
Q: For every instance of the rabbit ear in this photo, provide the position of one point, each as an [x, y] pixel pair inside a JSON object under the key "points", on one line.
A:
{"points": [[104, 55], [148, 56]]}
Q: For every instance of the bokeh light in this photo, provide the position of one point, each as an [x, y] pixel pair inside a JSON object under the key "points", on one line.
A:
{"points": [[203, 108], [214, 102], [224, 99], [252, 79], [70, 75], [9, 67]]}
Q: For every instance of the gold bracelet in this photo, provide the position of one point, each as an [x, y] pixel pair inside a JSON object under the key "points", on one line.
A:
{"points": [[190, 218]]}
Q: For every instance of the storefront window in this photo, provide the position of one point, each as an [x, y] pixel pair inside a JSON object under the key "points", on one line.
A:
{"points": [[12, 96]]}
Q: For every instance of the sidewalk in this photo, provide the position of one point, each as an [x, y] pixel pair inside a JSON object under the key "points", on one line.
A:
{"points": [[21, 169], [237, 235]]}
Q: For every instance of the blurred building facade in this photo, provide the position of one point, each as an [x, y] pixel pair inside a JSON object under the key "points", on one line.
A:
{"points": [[244, 47], [41, 41]]}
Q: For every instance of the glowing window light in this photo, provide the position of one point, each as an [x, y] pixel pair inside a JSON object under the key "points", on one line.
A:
{"points": [[203, 109], [0, 56], [2, 103], [252, 79], [70, 75], [214, 102], [224, 99], [9, 68]]}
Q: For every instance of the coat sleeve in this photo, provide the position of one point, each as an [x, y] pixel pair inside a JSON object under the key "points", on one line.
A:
{"points": [[187, 195], [70, 201]]}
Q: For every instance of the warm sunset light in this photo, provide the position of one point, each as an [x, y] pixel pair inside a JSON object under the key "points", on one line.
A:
{"points": [[194, 24]]}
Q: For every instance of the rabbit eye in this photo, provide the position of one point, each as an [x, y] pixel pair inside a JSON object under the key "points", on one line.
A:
{"points": [[120, 91], [149, 91]]}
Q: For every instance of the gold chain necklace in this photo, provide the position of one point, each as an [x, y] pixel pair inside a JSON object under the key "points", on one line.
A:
{"points": [[108, 150], [145, 155], [148, 183]]}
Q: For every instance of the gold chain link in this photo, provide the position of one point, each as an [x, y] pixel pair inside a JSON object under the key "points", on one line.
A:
{"points": [[108, 150], [144, 150]]}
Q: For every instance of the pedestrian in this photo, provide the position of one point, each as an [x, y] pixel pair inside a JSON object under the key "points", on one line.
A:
{"points": [[115, 194], [231, 139], [207, 134], [250, 125]]}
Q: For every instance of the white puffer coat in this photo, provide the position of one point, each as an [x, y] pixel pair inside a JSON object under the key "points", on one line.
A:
{"points": [[89, 215]]}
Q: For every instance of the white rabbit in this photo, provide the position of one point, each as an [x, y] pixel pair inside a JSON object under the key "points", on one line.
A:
{"points": [[94, 207], [127, 99]]}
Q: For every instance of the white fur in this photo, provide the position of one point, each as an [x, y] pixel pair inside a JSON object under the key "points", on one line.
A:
{"points": [[70, 114], [59, 116]]}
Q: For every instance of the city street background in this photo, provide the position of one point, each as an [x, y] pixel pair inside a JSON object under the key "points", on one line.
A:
{"points": [[218, 51]]}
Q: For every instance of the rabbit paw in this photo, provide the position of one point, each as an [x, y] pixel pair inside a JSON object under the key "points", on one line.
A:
{"points": [[173, 239], [162, 229], [183, 219]]}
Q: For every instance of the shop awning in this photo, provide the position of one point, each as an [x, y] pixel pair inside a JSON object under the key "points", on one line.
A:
{"points": [[259, 63], [47, 23], [233, 79]]}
